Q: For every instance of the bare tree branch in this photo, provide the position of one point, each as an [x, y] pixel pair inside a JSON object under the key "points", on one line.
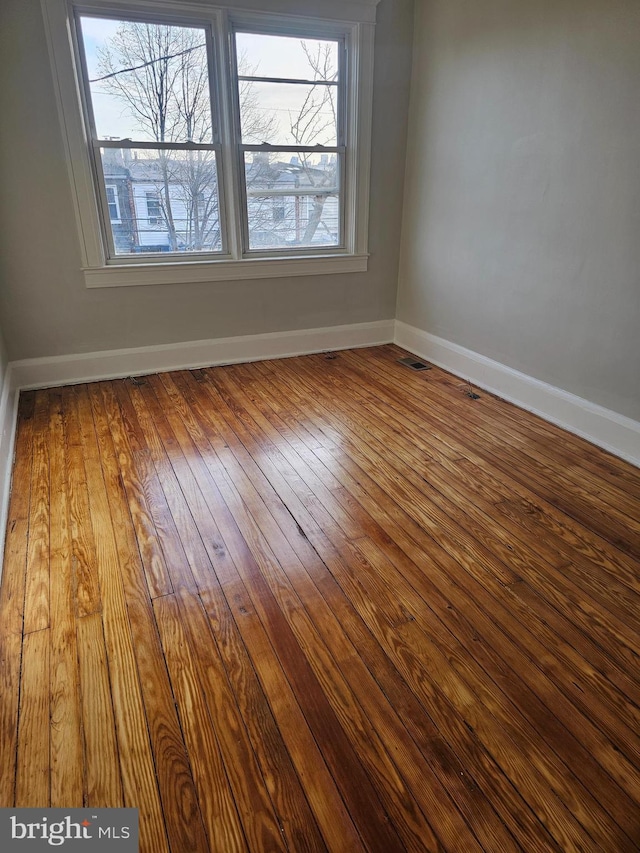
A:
{"points": [[144, 64]]}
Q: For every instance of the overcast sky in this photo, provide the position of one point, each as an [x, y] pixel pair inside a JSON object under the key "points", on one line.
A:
{"points": [[267, 56]]}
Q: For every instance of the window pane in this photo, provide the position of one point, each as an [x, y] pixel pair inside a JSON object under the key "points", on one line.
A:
{"points": [[293, 201], [148, 82], [168, 200], [288, 114], [286, 56]]}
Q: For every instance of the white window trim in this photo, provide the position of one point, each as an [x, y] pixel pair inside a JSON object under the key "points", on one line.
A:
{"points": [[356, 18]]}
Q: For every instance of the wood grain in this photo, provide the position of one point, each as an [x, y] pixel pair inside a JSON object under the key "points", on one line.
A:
{"points": [[36, 610], [321, 604], [182, 815], [103, 782], [12, 599], [33, 776], [137, 768], [372, 596]]}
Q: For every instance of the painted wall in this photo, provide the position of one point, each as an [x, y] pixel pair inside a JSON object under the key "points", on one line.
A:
{"points": [[47, 308], [6, 423], [521, 225], [4, 361]]}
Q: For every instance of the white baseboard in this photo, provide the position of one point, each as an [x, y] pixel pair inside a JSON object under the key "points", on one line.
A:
{"points": [[8, 417], [607, 429], [113, 364]]}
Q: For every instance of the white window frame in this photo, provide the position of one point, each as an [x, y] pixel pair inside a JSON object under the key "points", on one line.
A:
{"points": [[351, 20]]}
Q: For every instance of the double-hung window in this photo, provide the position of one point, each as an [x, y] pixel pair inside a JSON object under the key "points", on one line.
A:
{"points": [[207, 143], [291, 103]]}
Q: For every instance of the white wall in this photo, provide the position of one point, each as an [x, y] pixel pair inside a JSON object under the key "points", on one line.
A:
{"points": [[48, 309], [521, 225]]}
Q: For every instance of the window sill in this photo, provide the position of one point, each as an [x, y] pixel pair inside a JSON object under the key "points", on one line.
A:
{"points": [[129, 275]]}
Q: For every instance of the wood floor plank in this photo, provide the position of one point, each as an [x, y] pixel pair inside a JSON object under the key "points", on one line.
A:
{"points": [[67, 787], [219, 810], [139, 782], [11, 651], [175, 525], [36, 610], [33, 776], [527, 688], [455, 476], [570, 448], [85, 576], [183, 818], [12, 598], [103, 782], [153, 560], [604, 702], [593, 618], [295, 816], [321, 604], [251, 795]]}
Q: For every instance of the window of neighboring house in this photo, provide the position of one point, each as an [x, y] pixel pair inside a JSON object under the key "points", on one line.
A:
{"points": [[254, 129], [112, 203], [154, 209]]}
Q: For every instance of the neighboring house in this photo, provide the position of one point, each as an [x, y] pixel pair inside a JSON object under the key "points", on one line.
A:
{"points": [[289, 203], [292, 203]]}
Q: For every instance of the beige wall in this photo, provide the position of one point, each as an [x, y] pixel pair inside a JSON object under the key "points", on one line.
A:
{"points": [[46, 307], [521, 226], [3, 361]]}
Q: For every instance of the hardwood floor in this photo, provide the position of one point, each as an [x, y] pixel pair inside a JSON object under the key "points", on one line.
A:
{"points": [[323, 603]]}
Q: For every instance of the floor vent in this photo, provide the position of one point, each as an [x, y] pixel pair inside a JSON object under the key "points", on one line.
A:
{"points": [[413, 364]]}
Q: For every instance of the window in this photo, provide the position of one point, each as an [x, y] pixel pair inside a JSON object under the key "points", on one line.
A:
{"points": [[112, 203], [154, 211], [150, 106], [224, 144], [292, 138]]}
